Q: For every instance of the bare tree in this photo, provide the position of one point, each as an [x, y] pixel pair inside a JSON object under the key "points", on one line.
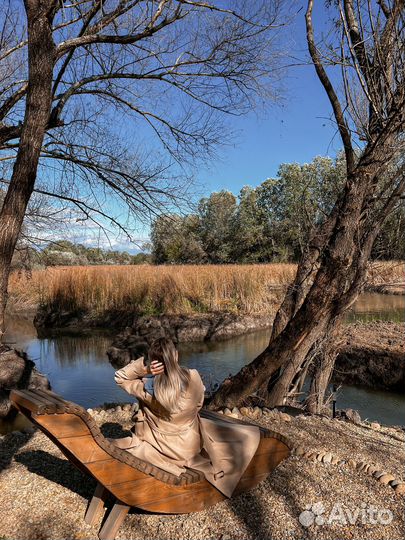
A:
{"points": [[74, 73], [366, 46]]}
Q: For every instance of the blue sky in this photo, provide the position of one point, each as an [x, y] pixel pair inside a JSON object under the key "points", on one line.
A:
{"points": [[296, 129]]}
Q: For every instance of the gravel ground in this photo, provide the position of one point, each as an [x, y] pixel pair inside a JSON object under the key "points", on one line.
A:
{"points": [[42, 496]]}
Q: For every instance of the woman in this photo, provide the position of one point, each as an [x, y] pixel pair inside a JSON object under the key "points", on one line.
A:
{"points": [[169, 432]]}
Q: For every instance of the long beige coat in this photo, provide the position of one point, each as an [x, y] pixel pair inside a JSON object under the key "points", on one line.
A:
{"points": [[221, 450]]}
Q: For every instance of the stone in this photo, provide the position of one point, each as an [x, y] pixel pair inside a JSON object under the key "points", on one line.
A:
{"points": [[299, 451], [400, 488], [311, 455], [134, 407], [386, 478], [233, 415], [352, 463], [394, 483], [110, 411], [220, 411], [235, 410], [285, 417], [379, 473], [266, 410], [227, 411], [126, 407], [353, 416], [327, 458], [19, 372], [118, 408], [335, 460], [320, 455], [244, 411], [375, 425], [90, 411], [257, 412], [360, 466]]}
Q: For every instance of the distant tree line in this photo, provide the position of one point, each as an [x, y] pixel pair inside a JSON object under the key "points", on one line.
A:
{"points": [[269, 223], [66, 253]]}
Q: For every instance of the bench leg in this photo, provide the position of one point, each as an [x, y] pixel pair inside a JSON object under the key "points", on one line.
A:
{"points": [[96, 505], [114, 521]]}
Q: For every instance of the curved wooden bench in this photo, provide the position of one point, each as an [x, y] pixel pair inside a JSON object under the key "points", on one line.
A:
{"points": [[132, 481]]}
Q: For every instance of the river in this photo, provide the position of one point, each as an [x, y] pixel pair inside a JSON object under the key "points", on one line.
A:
{"points": [[79, 370]]}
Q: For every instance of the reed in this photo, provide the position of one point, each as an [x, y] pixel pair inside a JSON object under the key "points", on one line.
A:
{"points": [[154, 290]]}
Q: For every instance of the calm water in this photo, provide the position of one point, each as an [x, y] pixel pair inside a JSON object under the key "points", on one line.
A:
{"points": [[78, 367]]}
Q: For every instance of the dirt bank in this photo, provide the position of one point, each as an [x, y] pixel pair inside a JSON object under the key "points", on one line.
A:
{"points": [[16, 371], [134, 340], [370, 354], [373, 355], [43, 496]]}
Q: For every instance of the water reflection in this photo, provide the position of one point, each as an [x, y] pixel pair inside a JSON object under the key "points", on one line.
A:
{"points": [[374, 306], [78, 367]]}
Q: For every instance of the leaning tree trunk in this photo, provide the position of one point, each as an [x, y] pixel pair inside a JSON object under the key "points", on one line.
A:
{"points": [[41, 52], [334, 273]]}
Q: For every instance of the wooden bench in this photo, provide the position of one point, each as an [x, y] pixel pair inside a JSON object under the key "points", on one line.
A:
{"points": [[131, 481]]}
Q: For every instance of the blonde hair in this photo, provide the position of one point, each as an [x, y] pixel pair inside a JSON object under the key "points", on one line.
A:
{"points": [[169, 385]]}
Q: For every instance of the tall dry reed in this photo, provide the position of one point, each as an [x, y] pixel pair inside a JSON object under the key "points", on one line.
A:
{"points": [[156, 290], [148, 289]]}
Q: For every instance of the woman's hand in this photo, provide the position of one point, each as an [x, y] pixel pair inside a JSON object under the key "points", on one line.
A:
{"points": [[156, 368]]}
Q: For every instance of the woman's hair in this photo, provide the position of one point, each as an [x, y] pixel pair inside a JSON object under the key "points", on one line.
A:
{"points": [[169, 385]]}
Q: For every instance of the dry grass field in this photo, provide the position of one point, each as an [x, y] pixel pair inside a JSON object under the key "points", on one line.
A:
{"points": [[153, 290]]}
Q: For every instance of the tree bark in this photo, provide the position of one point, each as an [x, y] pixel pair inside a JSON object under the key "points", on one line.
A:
{"points": [[41, 54], [338, 278]]}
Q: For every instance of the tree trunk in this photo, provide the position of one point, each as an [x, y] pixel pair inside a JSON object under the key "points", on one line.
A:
{"points": [[338, 271], [41, 53], [323, 369]]}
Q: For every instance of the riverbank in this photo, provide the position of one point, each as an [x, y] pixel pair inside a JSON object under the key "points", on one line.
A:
{"points": [[369, 354], [44, 497]]}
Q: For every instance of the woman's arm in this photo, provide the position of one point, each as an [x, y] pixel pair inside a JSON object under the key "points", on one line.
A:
{"points": [[130, 377]]}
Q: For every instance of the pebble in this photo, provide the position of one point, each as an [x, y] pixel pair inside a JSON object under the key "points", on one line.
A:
{"points": [[257, 412], [400, 488], [320, 455], [244, 411], [285, 417], [227, 411], [235, 410], [372, 469], [327, 458], [375, 425], [126, 407], [386, 478], [379, 473], [352, 463], [394, 483]]}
